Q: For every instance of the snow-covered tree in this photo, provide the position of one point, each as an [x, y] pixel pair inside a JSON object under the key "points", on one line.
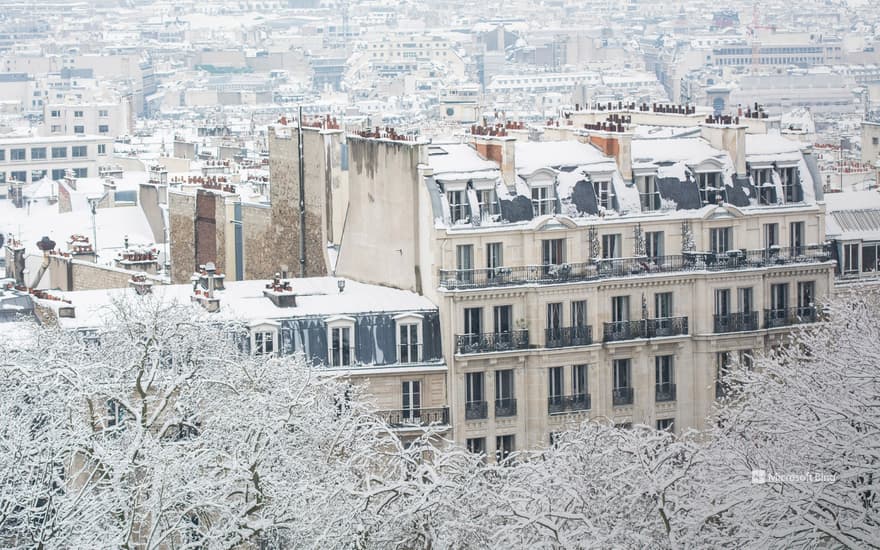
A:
{"points": [[805, 421], [158, 432]]}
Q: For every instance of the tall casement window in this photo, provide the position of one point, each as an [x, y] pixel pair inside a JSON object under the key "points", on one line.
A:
{"points": [[796, 236], [341, 341], [710, 187], [554, 318], [459, 209], [579, 380], [264, 342], [762, 181], [664, 377], [502, 317], [494, 257], [619, 308], [771, 234], [556, 383], [579, 313], [473, 320], [475, 396], [721, 239], [553, 251], [504, 447], [464, 262], [722, 302], [779, 297], [542, 200], [409, 338], [806, 298], [654, 244], [611, 245], [412, 399], [649, 194], [604, 194], [851, 259], [663, 305], [621, 382], [488, 202]]}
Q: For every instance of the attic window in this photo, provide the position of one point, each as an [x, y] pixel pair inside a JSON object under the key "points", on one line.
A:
{"points": [[434, 150]]}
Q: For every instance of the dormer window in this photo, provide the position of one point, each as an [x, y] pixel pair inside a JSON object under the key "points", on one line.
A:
{"points": [[709, 184], [264, 343], [791, 188], [340, 340], [409, 338], [488, 202], [604, 194], [649, 195], [762, 182], [543, 200], [459, 209]]}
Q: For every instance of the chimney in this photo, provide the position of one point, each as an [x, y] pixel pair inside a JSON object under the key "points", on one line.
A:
{"points": [[501, 149], [280, 292], [141, 285], [615, 142], [205, 284], [728, 135]]}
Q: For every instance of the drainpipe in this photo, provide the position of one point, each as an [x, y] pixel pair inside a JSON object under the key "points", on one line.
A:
{"points": [[302, 198]]}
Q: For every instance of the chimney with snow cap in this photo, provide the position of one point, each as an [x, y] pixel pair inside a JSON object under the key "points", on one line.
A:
{"points": [[280, 292]]}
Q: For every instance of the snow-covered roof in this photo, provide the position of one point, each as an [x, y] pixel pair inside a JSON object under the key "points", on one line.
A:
{"points": [[244, 300], [853, 215], [458, 158], [772, 147], [533, 155]]}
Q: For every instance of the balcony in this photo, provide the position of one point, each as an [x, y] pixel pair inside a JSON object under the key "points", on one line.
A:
{"points": [[464, 279], [566, 337], [664, 392], [558, 404], [476, 410], [415, 418], [622, 396], [491, 342], [736, 322], [505, 407], [618, 331], [774, 318]]}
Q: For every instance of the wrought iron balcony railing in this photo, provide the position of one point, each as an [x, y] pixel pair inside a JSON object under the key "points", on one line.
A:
{"points": [[408, 418], [784, 317], [606, 268], [505, 407], [557, 404], [736, 322], [476, 410], [621, 396], [564, 337], [646, 328], [664, 392], [491, 342]]}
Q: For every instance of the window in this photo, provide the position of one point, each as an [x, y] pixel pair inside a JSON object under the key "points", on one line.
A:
{"points": [[494, 257], [464, 258], [504, 447], [721, 239], [55, 114], [746, 303], [620, 373], [103, 113], [502, 316], [2, 154], [542, 201], [554, 319], [579, 380], [619, 309], [648, 193], [796, 237], [102, 149], [37, 175], [850, 258], [38, 153], [654, 244], [664, 378], [116, 414], [710, 188], [59, 173], [604, 194], [264, 343], [80, 172], [663, 305], [77, 114], [665, 424], [488, 202], [341, 345], [791, 188], [79, 151], [21, 176], [459, 209], [779, 296], [476, 445], [504, 390], [56, 128], [871, 258], [474, 389], [79, 129], [579, 313], [556, 386], [473, 317], [722, 302], [771, 234], [103, 129], [17, 154], [59, 152], [412, 399], [409, 343], [553, 251], [806, 292], [611, 246]]}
